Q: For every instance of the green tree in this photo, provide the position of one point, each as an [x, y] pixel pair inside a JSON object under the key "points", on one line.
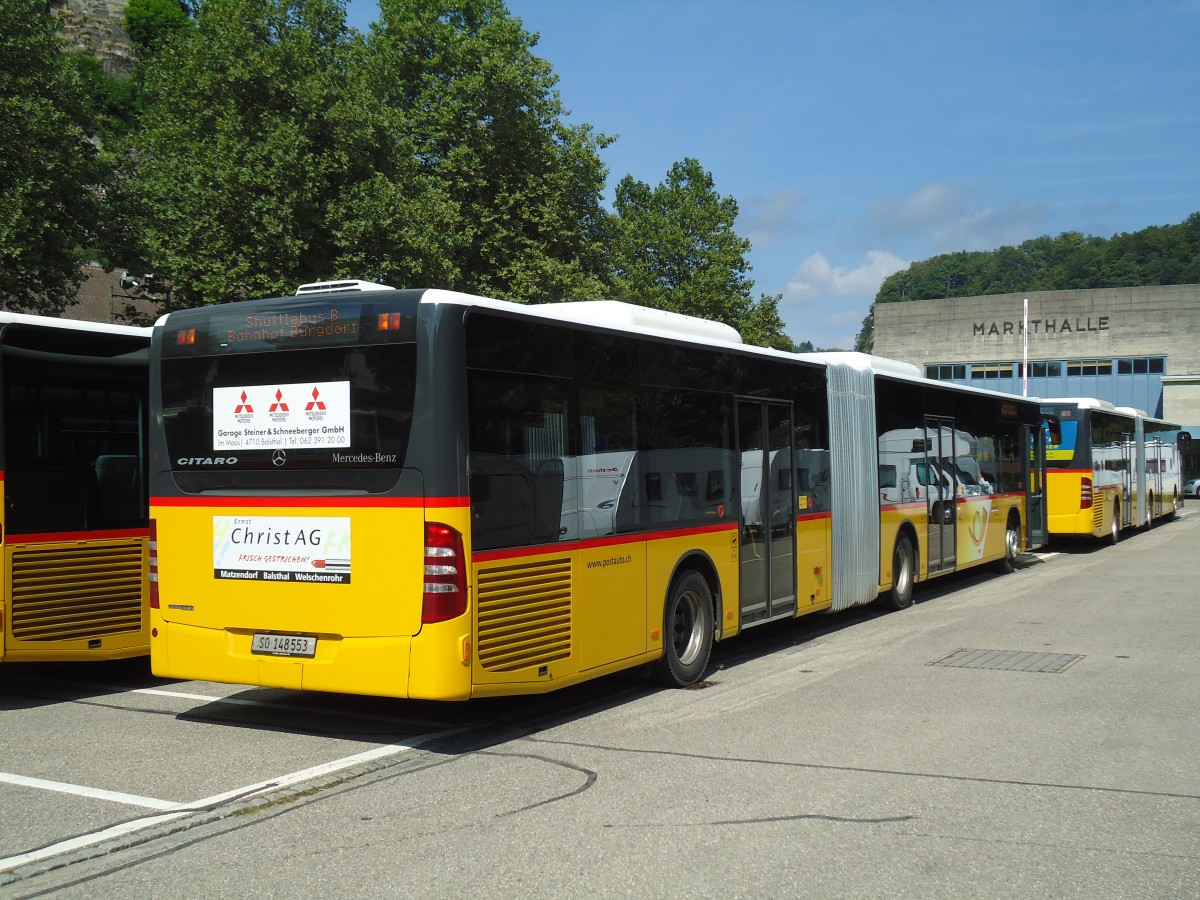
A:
{"points": [[279, 146], [459, 80], [110, 100], [48, 168], [673, 247], [152, 22], [256, 136]]}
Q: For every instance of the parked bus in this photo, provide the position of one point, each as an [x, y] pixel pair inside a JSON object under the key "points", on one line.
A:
{"points": [[1109, 468], [419, 493], [74, 516]]}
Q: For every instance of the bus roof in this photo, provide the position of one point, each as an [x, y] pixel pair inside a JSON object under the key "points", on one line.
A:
{"points": [[1094, 403], [605, 314], [7, 318]]}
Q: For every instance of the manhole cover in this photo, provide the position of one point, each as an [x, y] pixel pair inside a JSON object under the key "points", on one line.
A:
{"points": [[1007, 660]]}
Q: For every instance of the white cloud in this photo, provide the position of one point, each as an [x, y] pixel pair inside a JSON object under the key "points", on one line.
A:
{"points": [[816, 278], [763, 219], [944, 218]]}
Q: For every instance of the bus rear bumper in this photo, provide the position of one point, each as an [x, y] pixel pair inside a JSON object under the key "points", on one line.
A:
{"points": [[368, 665]]}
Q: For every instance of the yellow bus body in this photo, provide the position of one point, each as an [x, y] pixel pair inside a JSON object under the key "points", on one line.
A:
{"points": [[979, 532], [536, 621], [75, 599], [1064, 516], [378, 621]]}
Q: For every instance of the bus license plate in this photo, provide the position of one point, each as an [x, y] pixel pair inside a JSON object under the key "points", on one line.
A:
{"points": [[284, 645]]}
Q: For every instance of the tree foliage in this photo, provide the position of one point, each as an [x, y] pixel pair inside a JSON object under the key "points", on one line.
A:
{"points": [[48, 168], [673, 247], [110, 101], [254, 130], [280, 146], [151, 23], [461, 83], [1168, 254]]}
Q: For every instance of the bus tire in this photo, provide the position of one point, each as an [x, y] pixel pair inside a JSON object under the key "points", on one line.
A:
{"points": [[1012, 543], [904, 574], [1114, 531], [687, 632]]}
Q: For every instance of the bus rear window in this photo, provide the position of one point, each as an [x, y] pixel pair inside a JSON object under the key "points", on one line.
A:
{"points": [[334, 417], [1062, 442]]}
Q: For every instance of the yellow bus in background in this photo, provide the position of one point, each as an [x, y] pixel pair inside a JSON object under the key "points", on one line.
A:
{"points": [[1108, 468], [74, 516], [426, 494]]}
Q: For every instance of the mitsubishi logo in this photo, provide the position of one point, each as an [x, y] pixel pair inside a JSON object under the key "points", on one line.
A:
{"points": [[279, 457]]}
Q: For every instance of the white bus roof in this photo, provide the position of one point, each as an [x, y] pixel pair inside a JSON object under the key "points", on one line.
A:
{"points": [[1093, 403], [606, 314], [73, 324]]}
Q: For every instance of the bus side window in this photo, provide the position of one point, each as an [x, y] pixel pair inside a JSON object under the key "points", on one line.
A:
{"points": [[548, 483], [502, 502], [117, 477]]}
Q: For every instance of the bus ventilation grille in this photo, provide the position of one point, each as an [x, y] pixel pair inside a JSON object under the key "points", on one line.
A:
{"points": [[72, 592], [1098, 516], [524, 615]]}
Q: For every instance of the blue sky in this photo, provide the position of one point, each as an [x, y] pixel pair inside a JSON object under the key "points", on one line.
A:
{"points": [[858, 137]]}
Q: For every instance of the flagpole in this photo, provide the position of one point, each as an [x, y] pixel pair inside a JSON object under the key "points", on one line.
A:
{"points": [[1025, 350]]}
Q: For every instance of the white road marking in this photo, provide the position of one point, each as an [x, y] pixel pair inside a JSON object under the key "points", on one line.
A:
{"points": [[80, 790], [177, 810]]}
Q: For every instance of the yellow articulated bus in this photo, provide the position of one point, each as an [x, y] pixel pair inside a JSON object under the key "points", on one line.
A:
{"points": [[74, 516], [419, 493], [1108, 468]]}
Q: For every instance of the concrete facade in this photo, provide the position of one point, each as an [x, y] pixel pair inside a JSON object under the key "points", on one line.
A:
{"points": [[1105, 324]]}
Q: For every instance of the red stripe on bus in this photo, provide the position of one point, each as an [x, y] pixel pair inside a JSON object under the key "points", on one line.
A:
{"points": [[1068, 471], [331, 502], [809, 517], [595, 543], [47, 537]]}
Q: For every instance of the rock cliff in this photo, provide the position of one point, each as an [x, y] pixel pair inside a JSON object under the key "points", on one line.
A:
{"points": [[95, 27]]}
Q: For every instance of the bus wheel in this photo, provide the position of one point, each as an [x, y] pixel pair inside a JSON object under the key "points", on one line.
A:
{"points": [[687, 632], [1114, 533], [1012, 543], [904, 574]]}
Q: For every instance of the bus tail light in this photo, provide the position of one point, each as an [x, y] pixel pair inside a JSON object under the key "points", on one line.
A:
{"points": [[1085, 494], [445, 574], [153, 561]]}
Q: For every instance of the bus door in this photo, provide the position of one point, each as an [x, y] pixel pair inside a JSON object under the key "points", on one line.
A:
{"points": [[1156, 462], [767, 561], [941, 497], [1128, 464], [1035, 487]]}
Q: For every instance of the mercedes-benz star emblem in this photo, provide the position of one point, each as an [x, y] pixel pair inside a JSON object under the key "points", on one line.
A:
{"points": [[279, 457]]}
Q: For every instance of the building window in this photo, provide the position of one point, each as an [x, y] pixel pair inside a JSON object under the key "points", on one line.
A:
{"points": [[992, 370], [946, 372], [1045, 369], [1154, 365], [1089, 366]]}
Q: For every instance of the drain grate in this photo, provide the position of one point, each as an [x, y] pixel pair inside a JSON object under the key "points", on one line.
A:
{"points": [[1008, 660]]}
